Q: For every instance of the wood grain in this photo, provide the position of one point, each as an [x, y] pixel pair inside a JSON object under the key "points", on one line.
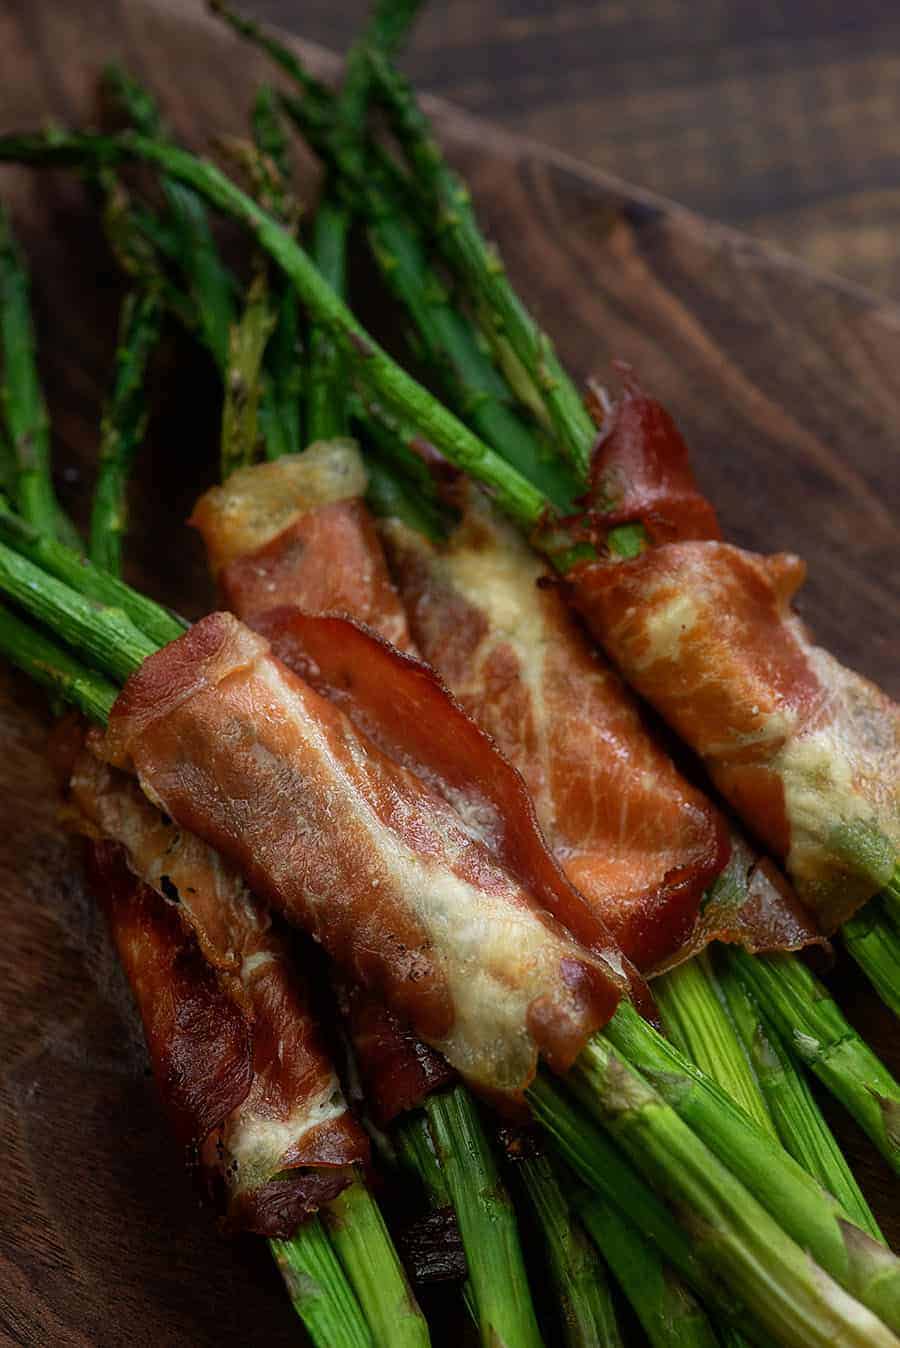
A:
{"points": [[787, 385], [781, 117]]}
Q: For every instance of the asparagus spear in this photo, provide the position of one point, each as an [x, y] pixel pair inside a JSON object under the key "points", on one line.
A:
{"points": [[364, 1246], [122, 428], [487, 1220], [813, 1217], [319, 1289], [211, 285], [27, 423], [874, 942], [326, 406], [53, 668], [414, 1148], [386, 380], [804, 1013], [798, 1119], [578, 1279], [243, 378], [449, 205], [790, 1295], [668, 1312], [70, 567], [694, 1018]]}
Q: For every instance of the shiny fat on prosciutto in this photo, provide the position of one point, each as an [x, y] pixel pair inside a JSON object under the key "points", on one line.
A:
{"points": [[806, 751], [235, 1049], [639, 842], [394, 871]]}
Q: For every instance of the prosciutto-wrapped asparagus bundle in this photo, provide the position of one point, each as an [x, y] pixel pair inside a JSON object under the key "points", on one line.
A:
{"points": [[261, 1106], [638, 840], [807, 751]]}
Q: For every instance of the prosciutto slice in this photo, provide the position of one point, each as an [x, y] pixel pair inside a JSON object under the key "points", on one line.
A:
{"points": [[234, 1046], [298, 533], [806, 751], [399, 873], [639, 842]]}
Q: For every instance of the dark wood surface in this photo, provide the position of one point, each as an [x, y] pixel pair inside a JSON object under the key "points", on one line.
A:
{"points": [[788, 387], [779, 116]]}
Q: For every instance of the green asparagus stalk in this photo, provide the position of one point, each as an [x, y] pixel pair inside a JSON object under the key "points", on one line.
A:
{"points": [[364, 1246], [144, 249], [605, 1172], [448, 202], [804, 1210], [577, 1277], [694, 1018], [25, 412], [282, 386], [385, 31], [732, 1231], [386, 380], [53, 668], [279, 408], [326, 404], [122, 428], [486, 1218], [446, 337], [81, 574], [320, 1290], [747, 1249], [211, 285], [669, 1313], [890, 898], [807, 1017], [798, 1119], [874, 942], [107, 637], [243, 378], [414, 1148]]}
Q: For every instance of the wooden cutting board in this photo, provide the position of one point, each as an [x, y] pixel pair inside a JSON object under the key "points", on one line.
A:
{"points": [[786, 383]]}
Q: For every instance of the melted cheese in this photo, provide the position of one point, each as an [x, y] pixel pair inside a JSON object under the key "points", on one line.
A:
{"points": [[256, 1142], [258, 503], [495, 951]]}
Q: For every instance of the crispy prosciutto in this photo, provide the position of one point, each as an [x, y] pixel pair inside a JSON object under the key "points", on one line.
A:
{"points": [[402, 867], [197, 1037], [398, 1071], [805, 750], [234, 1047], [639, 842]]}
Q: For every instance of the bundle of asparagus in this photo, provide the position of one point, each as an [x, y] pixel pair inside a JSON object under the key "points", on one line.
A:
{"points": [[643, 1121], [794, 1001]]}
